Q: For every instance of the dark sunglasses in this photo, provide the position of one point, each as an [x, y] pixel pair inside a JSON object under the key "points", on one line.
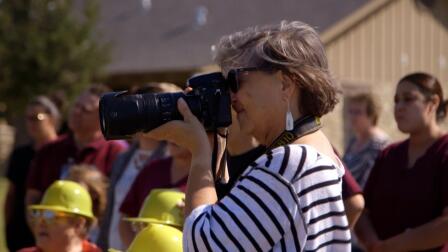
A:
{"points": [[233, 77]]}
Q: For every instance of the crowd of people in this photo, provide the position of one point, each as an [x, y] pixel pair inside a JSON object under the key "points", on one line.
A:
{"points": [[271, 181]]}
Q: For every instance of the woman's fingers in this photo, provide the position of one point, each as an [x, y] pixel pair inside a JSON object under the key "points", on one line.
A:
{"points": [[185, 111], [188, 133], [188, 90], [170, 130]]}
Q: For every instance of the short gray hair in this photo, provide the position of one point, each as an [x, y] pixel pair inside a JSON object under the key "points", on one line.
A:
{"points": [[292, 47]]}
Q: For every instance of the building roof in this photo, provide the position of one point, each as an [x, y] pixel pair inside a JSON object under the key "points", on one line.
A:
{"points": [[160, 35], [438, 8], [351, 20]]}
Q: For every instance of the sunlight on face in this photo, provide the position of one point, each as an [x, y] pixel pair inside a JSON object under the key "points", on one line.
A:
{"points": [[38, 121], [258, 102], [357, 114], [54, 230], [84, 115]]}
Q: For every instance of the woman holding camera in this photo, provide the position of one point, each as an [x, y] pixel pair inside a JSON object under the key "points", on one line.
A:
{"points": [[289, 199]]}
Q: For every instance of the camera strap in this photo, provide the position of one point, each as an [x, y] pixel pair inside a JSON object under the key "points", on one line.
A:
{"points": [[219, 169], [302, 126], [223, 183]]}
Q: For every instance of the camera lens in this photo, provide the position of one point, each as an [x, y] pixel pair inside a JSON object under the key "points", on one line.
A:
{"points": [[123, 115]]}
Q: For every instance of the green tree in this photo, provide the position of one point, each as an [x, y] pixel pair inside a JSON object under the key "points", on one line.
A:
{"points": [[48, 45]]}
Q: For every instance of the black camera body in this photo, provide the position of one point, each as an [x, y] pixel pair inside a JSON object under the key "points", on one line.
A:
{"points": [[122, 115]]}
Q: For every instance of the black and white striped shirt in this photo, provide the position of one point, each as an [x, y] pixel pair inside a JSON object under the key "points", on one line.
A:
{"points": [[288, 200]]}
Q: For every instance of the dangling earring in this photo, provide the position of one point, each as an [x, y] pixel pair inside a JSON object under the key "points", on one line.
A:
{"points": [[289, 120]]}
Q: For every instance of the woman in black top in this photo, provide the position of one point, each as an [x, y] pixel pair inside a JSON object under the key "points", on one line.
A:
{"points": [[42, 119]]}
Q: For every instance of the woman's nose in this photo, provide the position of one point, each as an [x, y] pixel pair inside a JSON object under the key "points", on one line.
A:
{"points": [[399, 106], [40, 223], [76, 110]]}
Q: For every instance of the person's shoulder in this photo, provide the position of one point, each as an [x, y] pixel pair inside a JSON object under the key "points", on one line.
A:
{"points": [[116, 147], [110, 148], [157, 165], [316, 160], [156, 170], [128, 153], [380, 140], [442, 145], [392, 153], [444, 140], [288, 160], [297, 165], [290, 151], [56, 144], [395, 146], [62, 139], [119, 143], [90, 247]]}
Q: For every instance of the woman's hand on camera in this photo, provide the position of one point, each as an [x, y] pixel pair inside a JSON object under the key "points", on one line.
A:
{"points": [[189, 133]]}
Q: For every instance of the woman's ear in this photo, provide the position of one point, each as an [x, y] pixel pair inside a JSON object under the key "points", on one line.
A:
{"points": [[288, 85], [81, 225], [435, 102]]}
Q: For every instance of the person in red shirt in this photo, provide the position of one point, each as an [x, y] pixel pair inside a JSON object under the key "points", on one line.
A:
{"points": [[85, 144], [407, 191], [169, 172], [85, 246]]}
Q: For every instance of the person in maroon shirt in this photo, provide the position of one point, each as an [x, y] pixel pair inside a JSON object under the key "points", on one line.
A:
{"points": [[238, 161], [169, 172], [85, 144], [353, 198], [407, 191]]}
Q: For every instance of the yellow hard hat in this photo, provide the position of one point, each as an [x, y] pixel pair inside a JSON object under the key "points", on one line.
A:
{"points": [[160, 207], [66, 196], [157, 237]]}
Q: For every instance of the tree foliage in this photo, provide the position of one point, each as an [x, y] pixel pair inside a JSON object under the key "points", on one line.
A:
{"points": [[47, 45]]}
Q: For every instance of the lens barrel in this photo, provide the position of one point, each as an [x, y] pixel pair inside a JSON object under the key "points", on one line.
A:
{"points": [[123, 114]]}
